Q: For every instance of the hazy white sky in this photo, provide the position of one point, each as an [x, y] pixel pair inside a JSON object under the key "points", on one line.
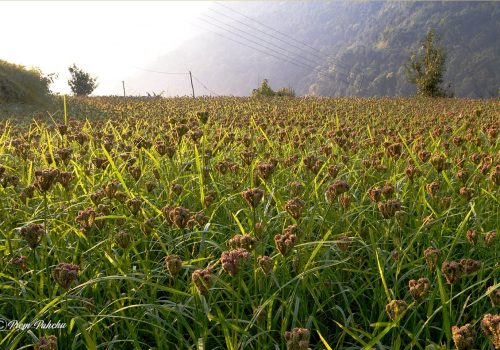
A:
{"points": [[105, 38]]}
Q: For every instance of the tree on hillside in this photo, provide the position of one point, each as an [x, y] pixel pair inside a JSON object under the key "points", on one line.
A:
{"points": [[426, 69], [81, 83]]}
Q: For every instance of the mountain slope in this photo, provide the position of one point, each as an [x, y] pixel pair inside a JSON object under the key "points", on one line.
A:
{"points": [[332, 49]]}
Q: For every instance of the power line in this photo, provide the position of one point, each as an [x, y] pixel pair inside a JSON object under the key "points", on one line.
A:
{"points": [[291, 61], [298, 64], [155, 71], [336, 61], [256, 43], [287, 57], [307, 61], [198, 80], [266, 41]]}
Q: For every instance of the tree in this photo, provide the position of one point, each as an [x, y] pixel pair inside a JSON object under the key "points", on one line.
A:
{"points": [[81, 83], [266, 91], [263, 90], [427, 69]]}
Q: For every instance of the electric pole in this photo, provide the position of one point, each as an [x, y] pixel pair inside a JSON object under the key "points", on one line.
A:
{"points": [[123, 84], [191, 77]]}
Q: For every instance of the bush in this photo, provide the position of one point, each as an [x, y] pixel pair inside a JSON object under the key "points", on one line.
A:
{"points": [[285, 92], [81, 83], [266, 91], [21, 85]]}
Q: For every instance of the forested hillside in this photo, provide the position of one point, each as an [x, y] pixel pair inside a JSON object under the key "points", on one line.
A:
{"points": [[332, 49]]}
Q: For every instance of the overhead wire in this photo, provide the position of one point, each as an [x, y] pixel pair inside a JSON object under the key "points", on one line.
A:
{"points": [[204, 86], [338, 62], [155, 71], [304, 59], [267, 53]]}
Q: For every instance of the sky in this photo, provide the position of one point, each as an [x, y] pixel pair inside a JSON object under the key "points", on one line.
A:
{"points": [[108, 39]]}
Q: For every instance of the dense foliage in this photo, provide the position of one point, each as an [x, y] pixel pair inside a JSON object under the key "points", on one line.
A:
{"points": [[264, 90], [81, 82], [360, 48], [241, 223], [21, 85]]}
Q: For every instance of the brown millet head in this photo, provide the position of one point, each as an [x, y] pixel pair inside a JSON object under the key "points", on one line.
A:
{"points": [[173, 264], [295, 188], [495, 175], [202, 280], [375, 194], [433, 188], [419, 289], [490, 238], [176, 188], [245, 241], [147, 226], [44, 179], [86, 218], [33, 234], [20, 262], [388, 190], [466, 192], [439, 162], [265, 263], [253, 196], [46, 343], [464, 337], [297, 339], [231, 260], [490, 325], [264, 170], [394, 150], [412, 171], [345, 200], [65, 178], [470, 265], [179, 216], [198, 219], [65, 273], [472, 237], [494, 294], [134, 205], [295, 207], [452, 271], [336, 189], [388, 209], [396, 308], [285, 242], [111, 187]]}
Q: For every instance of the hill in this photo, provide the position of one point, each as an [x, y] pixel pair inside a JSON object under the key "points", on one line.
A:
{"points": [[331, 49]]}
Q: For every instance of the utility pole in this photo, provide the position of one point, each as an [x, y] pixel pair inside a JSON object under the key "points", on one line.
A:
{"points": [[123, 84], [191, 77]]}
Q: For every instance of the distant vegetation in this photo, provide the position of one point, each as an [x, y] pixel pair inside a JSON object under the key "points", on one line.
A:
{"points": [[266, 91], [19, 84], [81, 83]]}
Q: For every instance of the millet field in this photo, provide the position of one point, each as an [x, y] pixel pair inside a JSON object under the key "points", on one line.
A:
{"points": [[244, 223]]}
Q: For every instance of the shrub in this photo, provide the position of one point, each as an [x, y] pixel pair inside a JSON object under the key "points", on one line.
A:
{"points": [[21, 85]]}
